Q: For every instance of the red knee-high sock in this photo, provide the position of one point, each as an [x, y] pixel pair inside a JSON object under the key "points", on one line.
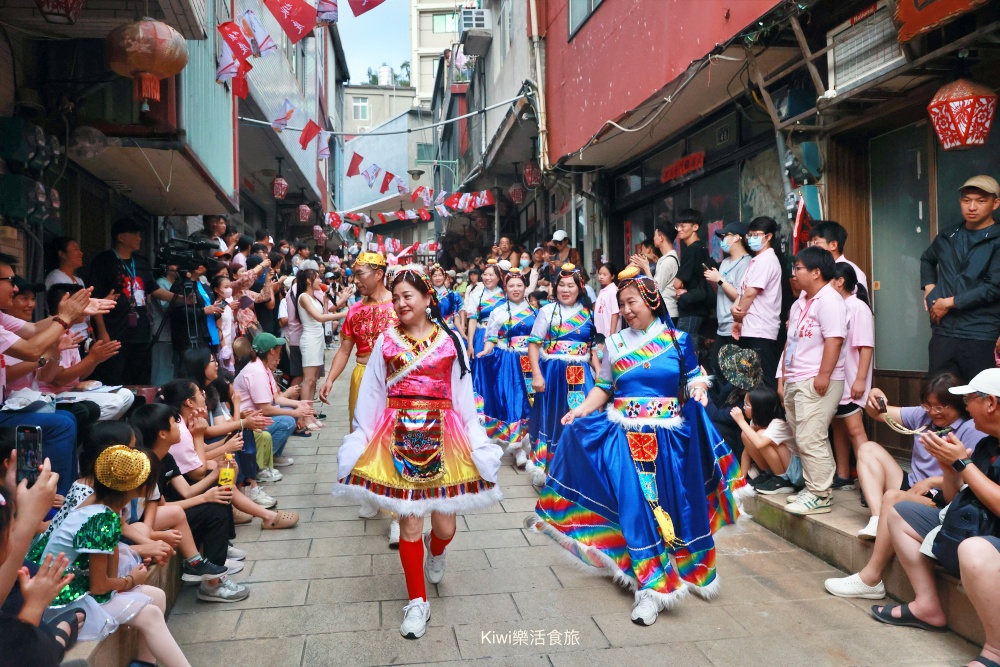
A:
{"points": [[438, 545], [411, 554]]}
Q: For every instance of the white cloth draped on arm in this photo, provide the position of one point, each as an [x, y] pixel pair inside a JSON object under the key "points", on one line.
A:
{"points": [[372, 400]]}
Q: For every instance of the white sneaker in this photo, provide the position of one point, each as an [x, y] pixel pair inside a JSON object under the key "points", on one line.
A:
{"points": [[809, 503], [236, 554], [233, 566], [869, 531], [394, 535], [795, 496], [434, 565], [268, 475], [368, 510], [538, 478], [257, 495], [226, 591], [282, 461], [853, 587], [520, 459], [415, 618], [644, 609]]}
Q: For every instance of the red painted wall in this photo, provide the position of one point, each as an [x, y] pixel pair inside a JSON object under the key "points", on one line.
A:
{"points": [[624, 52]]}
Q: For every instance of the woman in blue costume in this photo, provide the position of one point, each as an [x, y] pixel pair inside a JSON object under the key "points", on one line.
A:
{"points": [[506, 399], [479, 303], [563, 365], [449, 300], [638, 491]]}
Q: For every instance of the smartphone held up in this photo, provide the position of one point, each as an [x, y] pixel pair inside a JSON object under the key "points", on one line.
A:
{"points": [[29, 453]]}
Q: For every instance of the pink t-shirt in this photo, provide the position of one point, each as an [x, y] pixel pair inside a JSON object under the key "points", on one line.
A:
{"points": [[256, 384], [606, 306], [810, 323], [860, 333], [8, 325], [67, 359], [764, 315], [184, 453]]}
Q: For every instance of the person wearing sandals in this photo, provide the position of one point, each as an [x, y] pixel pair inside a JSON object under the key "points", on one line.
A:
{"points": [[916, 531], [884, 482], [419, 448], [637, 491], [89, 539]]}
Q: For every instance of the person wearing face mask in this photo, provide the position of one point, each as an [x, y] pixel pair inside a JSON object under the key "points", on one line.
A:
{"points": [[757, 310], [223, 290], [729, 274]]}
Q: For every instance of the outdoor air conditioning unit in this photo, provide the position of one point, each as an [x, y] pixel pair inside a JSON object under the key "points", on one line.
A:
{"points": [[863, 48], [363, 128], [475, 31]]}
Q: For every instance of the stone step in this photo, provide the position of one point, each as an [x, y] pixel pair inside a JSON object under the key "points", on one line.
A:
{"points": [[833, 538], [118, 648]]}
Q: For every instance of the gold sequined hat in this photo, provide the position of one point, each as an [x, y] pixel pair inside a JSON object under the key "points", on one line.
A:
{"points": [[122, 468], [370, 258]]}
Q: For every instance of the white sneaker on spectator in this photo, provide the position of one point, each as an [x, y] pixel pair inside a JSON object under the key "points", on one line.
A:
{"points": [[235, 554], [869, 531], [233, 566], [644, 611], [810, 503], [368, 510], [282, 461], [394, 534], [520, 459], [853, 587], [795, 496], [268, 475], [257, 495], [434, 565], [415, 617], [225, 591]]}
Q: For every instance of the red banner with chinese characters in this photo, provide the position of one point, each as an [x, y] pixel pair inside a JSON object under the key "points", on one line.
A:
{"points": [[919, 16], [236, 40], [683, 167], [297, 17]]}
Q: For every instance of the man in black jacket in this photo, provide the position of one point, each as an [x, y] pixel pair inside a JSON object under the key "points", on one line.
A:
{"points": [[695, 299], [960, 276]]}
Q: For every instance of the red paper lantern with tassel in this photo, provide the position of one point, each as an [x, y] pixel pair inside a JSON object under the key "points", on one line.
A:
{"points": [[60, 12], [146, 51], [962, 114], [305, 212]]}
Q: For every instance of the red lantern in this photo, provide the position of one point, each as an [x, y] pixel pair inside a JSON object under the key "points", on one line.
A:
{"points": [[962, 114], [62, 12], [305, 212], [532, 175], [279, 188], [146, 51], [517, 192]]}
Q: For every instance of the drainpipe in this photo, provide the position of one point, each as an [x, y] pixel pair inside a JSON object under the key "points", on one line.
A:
{"points": [[543, 132]]}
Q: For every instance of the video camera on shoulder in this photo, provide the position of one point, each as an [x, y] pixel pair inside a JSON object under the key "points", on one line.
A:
{"points": [[186, 255]]}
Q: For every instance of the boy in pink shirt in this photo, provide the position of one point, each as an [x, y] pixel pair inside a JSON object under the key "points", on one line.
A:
{"points": [[813, 374]]}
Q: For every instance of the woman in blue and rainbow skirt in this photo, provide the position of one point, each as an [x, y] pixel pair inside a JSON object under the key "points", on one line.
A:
{"points": [[638, 491], [563, 362], [479, 304], [449, 301], [507, 390]]}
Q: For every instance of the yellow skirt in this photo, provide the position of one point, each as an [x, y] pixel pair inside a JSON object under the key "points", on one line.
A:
{"points": [[352, 399]]}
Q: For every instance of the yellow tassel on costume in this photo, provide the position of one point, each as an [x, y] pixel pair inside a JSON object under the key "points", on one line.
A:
{"points": [[666, 525]]}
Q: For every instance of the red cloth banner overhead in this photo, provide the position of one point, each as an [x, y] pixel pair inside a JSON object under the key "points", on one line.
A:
{"points": [[387, 180], [237, 42], [296, 17], [355, 168], [916, 18], [309, 132], [359, 7], [424, 214], [240, 86]]}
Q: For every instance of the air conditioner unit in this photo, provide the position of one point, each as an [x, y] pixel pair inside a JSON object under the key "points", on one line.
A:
{"points": [[475, 31], [863, 48], [363, 128]]}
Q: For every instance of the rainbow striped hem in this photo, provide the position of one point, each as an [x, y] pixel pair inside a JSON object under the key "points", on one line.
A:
{"points": [[506, 432], [413, 494]]}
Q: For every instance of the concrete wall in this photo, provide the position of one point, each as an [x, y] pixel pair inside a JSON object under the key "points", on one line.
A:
{"points": [[426, 46], [383, 103]]}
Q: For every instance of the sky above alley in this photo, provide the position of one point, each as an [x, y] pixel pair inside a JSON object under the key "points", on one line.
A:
{"points": [[380, 35]]}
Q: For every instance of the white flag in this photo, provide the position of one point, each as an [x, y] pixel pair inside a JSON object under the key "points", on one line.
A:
{"points": [[287, 111], [442, 210], [371, 173], [324, 145], [228, 67], [326, 12], [260, 40]]}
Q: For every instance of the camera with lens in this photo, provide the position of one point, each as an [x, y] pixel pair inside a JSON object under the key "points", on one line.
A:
{"points": [[186, 255]]}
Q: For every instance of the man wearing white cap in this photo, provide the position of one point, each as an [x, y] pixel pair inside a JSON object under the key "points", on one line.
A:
{"points": [[960, 276], [919, 533]]}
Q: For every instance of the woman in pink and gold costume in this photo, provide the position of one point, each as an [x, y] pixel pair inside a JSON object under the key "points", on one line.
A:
{"points": [[418, 447]]}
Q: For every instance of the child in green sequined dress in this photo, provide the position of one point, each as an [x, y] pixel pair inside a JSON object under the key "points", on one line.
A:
{"points": [[89, 537]]}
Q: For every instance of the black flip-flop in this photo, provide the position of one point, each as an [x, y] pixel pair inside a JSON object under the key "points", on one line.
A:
{"points": [[302, 433], [906, 618], [986, 662], [68, 617]]}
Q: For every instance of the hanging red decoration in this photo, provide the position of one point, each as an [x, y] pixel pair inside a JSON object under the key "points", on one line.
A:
{"points": [[532, 175], [61, 12], [279, 188], [305, 212], [146, 51], [962, 114], [517, 193]]}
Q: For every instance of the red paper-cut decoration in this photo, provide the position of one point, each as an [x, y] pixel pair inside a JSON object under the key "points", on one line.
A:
{"points": [[962, 114]]}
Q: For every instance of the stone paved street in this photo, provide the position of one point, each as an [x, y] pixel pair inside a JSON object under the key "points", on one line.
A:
{"points": [[330, 592]]}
